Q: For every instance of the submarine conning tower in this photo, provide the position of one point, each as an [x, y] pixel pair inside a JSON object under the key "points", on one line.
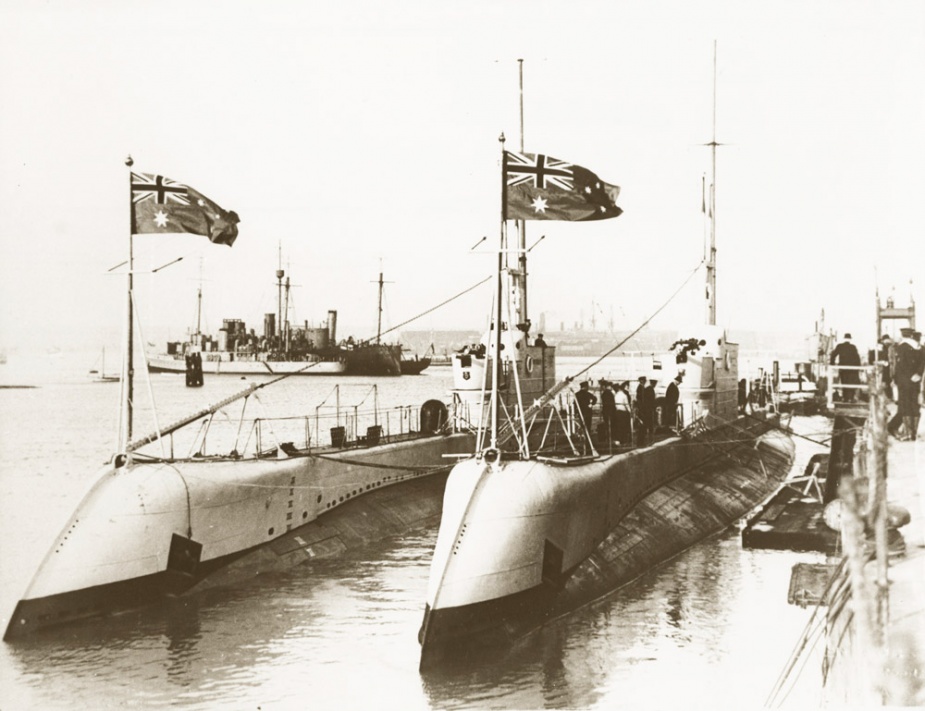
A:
{"points": [[710, 364]]}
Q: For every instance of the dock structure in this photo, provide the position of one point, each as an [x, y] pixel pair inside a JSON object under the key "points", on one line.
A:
{"points": [[869, 596], [794, 518]]}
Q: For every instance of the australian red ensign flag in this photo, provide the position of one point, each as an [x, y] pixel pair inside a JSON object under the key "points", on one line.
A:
{"points": [[544, 188], [161, 205]]}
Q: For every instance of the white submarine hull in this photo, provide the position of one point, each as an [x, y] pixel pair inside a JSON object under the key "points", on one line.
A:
{"points": [[148, 530], [524, 541]]}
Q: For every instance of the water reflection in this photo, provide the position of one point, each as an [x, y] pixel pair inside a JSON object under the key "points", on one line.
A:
{"points": [[343, 634]]}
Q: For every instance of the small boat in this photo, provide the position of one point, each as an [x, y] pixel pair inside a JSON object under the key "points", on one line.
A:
{"points": [[549, 513], [414, 366], [100, 375]]}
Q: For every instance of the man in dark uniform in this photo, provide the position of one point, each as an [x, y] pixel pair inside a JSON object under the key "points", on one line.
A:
{"points": [[608, 410], [908, 379], [883, 359], [586, 400], [845, 353], [648, 410], [539, 342], [640, 403], [672, 395]]}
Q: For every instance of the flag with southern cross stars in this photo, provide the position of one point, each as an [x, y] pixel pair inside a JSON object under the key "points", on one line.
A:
{"points": [[544, 188], [161, 205]]}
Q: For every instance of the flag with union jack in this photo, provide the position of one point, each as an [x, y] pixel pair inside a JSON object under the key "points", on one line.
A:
{"points": [[540, 187], [161, 205]]}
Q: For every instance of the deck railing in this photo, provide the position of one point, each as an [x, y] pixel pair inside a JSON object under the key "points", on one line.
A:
{"points": [[331, 425]]}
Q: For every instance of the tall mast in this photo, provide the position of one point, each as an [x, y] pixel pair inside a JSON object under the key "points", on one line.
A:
{"points": [[286, 330], [379, 316], [519, 276], [280, 273], [711, 257], [199, 305], [496, 317], [199, 311], [128, 386]]}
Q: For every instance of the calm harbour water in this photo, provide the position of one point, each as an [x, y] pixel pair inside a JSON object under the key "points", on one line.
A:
{"points": [[709, 629]]}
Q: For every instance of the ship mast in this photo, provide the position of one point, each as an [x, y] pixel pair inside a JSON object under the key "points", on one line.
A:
{"points": [[280, 273], [711, 257], [379, 315], [287, 330], [197, 336], [128, 380], [496, 317], [519, 275]]}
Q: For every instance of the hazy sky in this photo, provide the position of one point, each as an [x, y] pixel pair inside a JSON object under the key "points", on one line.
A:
{"points": [[354, 132]]}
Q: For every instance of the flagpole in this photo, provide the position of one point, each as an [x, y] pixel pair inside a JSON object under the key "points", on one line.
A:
{"points": [[128, 388], [496, 360], [523, 322], [711, 263]]}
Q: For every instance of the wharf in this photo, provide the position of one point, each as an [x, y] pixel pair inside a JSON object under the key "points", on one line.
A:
{"points": [[906, 626], [794, 518], [875, 644]]}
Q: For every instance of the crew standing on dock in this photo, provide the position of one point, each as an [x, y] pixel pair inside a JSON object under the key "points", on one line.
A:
{"points": [[910, 363], [884, 357], [846, 353]]}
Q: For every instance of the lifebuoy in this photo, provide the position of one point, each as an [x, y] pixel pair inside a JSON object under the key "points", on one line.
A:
{"points": [[528, 364]]}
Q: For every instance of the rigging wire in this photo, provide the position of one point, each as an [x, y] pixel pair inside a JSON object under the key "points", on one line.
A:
{"points": [[556, 389], [641, 326], [433, 308]]}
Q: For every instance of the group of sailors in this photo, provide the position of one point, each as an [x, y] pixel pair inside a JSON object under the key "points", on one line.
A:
{"points": [[627, 420], [902, 365]]}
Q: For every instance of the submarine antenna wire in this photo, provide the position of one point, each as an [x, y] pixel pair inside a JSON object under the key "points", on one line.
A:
{"points": [[442, 303], [556, 389], [644, 323]]}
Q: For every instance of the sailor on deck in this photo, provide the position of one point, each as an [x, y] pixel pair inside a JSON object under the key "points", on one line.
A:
{"points": [[608, 409], [586, 400], [845, 353], [623, 417], [645, 409], [672, 395]]}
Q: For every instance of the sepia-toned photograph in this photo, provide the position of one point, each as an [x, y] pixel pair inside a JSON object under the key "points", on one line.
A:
{"points": [[484, 355]]}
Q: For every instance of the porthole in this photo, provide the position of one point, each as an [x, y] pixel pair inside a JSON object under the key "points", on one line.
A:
{"points": [[270, 532]]}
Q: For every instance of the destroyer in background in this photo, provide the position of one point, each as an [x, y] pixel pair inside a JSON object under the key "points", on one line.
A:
{"points": [[279, 349]]}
